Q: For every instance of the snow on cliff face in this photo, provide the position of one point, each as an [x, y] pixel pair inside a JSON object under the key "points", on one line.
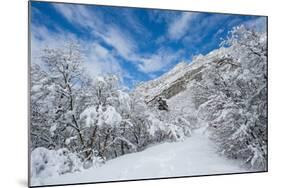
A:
{"points": [[153, 87], [177, 79]]}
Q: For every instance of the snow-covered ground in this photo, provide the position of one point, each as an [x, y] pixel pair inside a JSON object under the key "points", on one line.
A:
{"points": [[196, 155]]}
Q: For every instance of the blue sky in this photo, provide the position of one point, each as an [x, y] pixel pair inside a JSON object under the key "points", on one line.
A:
{"points": [[137, 44]]}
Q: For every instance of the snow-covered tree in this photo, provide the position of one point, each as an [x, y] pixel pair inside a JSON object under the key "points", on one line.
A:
{"points": [[41, 92], [234, 92], [107, 117], [62, 94]]}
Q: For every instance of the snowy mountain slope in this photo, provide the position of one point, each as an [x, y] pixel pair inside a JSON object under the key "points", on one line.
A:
{"points": [[194, 156], [181, 104], [175, 81]]}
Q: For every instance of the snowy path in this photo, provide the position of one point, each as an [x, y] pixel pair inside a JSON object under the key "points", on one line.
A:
{"points": [[194, 156]]}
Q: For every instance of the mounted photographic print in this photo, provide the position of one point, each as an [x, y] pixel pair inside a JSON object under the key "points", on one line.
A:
{"points": [[120, 93]]}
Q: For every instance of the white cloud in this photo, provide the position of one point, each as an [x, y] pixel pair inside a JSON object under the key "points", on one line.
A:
{"points": [[159, 61], [101, 59], [78, 15], [135, 23], [158, 16], [98, 59], [119, 39], [179, 26], [42, 37], [121, 43]]}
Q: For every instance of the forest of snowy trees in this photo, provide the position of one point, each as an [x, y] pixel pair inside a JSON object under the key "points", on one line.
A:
{"points": [[79, 121], [232, 98]]}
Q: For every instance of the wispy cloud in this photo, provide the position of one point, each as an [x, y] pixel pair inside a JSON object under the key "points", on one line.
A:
{"points": [[101, 61], [179, 26], [123, 44], [110, 33], [135, 23], [130, 42], [42, 37], [158, 17], [78, 15], [161, 60], [121, 40], [98, 59]]}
